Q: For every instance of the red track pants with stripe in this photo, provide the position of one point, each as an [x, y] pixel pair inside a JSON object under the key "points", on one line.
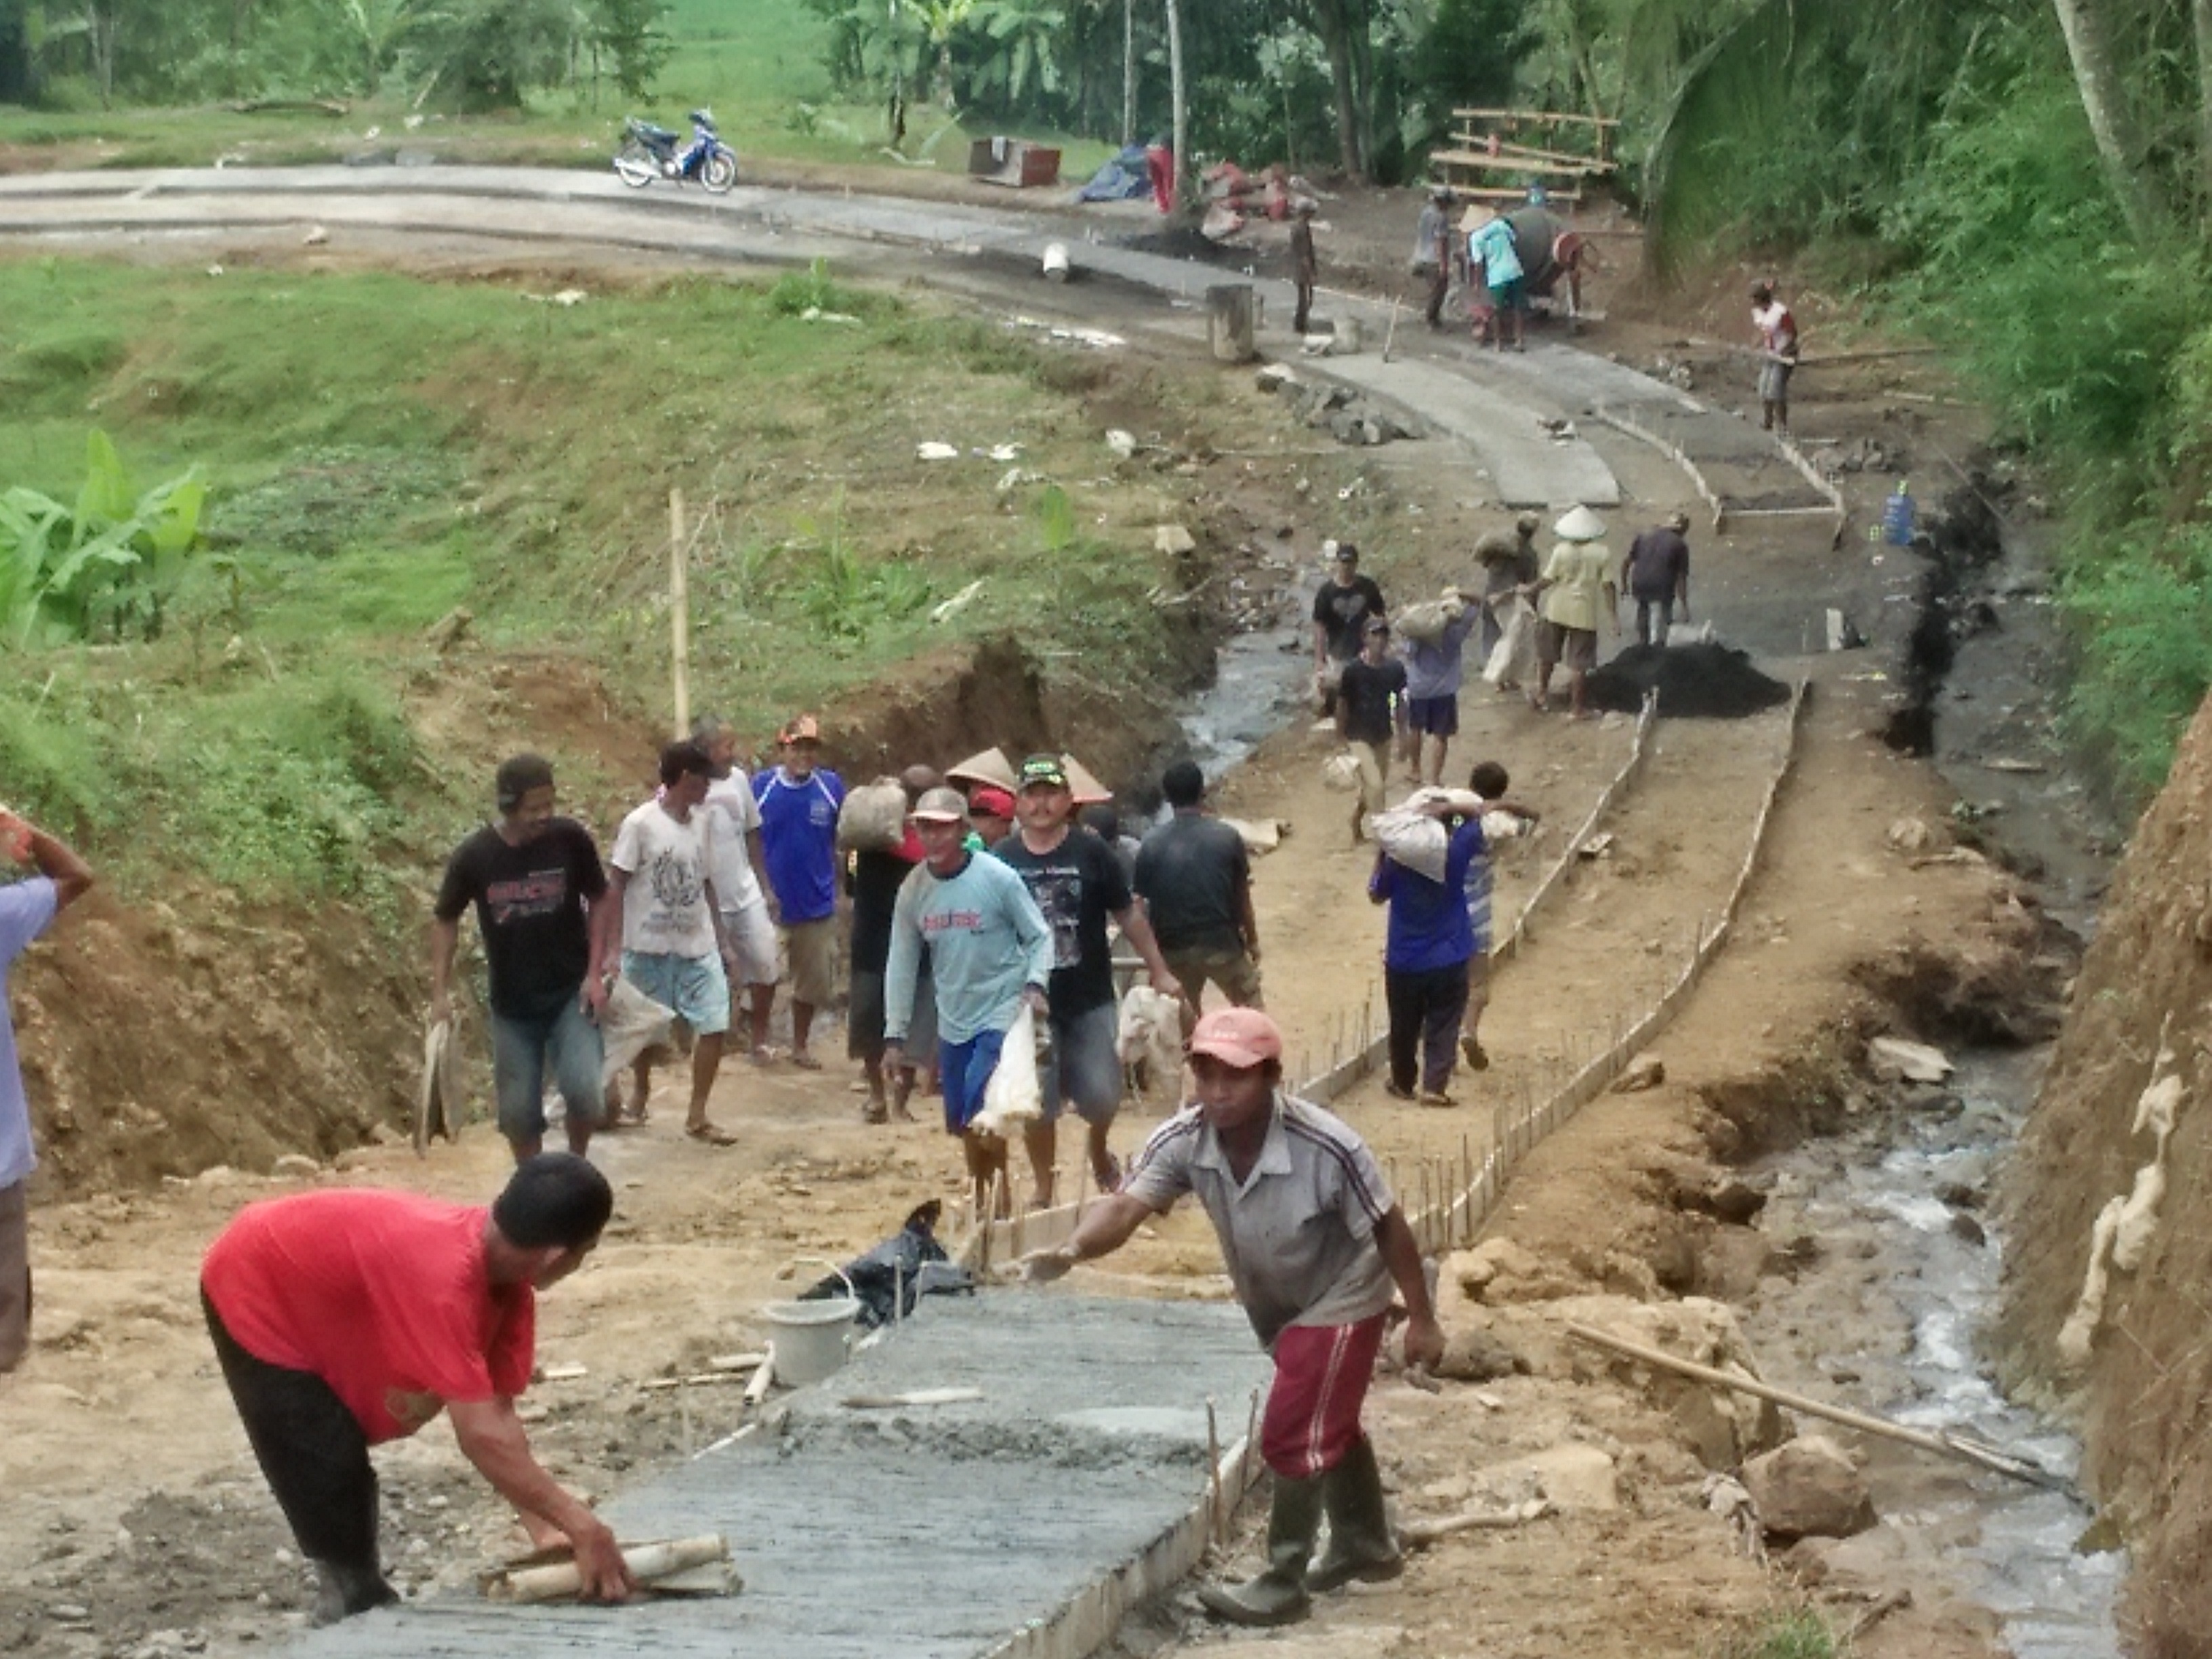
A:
{"points": [[1322, 1374]]}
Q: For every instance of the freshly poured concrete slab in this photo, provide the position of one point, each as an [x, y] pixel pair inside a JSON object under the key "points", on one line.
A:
{"points": [[925, 1531]]}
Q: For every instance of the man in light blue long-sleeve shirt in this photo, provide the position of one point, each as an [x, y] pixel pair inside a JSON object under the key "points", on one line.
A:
{"points": [[989, 948]]}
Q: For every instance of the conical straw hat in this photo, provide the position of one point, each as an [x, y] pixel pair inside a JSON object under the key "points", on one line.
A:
{"points": [[990, 766], [1089, 792], [1579, 524]]}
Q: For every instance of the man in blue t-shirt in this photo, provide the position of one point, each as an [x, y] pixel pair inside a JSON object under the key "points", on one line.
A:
{"points": [[26, 910], [798, 803], [1436, 954]]}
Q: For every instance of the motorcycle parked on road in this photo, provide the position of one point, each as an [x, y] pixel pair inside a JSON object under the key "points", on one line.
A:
{"points": [[650, 152]]}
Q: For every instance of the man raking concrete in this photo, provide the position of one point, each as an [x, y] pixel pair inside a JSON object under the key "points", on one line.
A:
{"points": [[1314, 1244]]}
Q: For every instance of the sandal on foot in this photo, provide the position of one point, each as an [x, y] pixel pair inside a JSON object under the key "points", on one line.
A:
{"points": [[712, 1133], [1397, 1093], [875, 1112], [1478, 1057], [1437, 1097], [805, 1062]]}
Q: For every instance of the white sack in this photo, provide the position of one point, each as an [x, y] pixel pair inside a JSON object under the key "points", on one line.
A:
{"points": [[1013, 1096], [872, 818], [1514, 657]]}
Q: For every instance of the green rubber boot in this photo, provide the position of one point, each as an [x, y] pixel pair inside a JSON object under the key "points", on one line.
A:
{"points": [[1359, 1541], [1277, 1596]]}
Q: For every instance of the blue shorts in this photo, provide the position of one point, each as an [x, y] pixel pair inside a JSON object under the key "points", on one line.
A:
{"points": [[964, 1070], [1435, 717], [694, 988]]}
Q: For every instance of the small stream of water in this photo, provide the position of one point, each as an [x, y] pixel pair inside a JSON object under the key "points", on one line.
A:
{"points": [[1888, 1321]]}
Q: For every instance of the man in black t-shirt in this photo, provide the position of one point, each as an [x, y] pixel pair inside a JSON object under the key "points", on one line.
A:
{"points": [[540, 898], [1196, 878], [1077, 883], [1370, 711], [1342, 607]]}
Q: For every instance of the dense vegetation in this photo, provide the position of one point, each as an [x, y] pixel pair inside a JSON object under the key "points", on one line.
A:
{"points": [[1946, 159]]}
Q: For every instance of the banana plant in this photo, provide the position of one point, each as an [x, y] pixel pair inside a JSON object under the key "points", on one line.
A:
{"points": [[114, 561], [1024, 32]]}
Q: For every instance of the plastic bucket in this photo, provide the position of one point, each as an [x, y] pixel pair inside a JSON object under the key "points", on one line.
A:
{"points": [[812, 1339]]}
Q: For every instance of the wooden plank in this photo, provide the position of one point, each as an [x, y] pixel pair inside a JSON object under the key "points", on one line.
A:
{"points": [[1548, 116], [1473, 158]]}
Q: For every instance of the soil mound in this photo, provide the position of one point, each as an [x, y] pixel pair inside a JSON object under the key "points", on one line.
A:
{"points": [[1694, 682]]}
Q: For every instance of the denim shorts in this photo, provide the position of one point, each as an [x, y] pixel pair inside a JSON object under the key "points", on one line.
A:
{"points": [[695, 987], [565, 1044]]}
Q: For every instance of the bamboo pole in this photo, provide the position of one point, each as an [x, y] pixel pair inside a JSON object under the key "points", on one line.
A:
{"points": [[1214, 1528], [648, 1564], [1947, 1445], [679, 612]]}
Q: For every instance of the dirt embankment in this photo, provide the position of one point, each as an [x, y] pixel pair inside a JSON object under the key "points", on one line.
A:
{"points": [[2146, 986]]}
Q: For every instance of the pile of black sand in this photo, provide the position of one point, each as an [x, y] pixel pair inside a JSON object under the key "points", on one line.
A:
{"points": [[1694, 682]]}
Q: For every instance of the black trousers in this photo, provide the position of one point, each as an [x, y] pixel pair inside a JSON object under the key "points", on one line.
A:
{"points": [[1426, 1009], [312, 1451]]}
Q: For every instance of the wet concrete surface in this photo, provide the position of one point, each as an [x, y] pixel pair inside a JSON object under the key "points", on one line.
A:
{"points": [[924, 1531]]}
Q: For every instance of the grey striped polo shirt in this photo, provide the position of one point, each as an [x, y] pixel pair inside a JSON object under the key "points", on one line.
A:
{"points": [[1299, 1232]]}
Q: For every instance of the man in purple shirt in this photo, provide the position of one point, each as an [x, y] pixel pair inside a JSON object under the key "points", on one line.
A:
{"points": [[26, 908]]}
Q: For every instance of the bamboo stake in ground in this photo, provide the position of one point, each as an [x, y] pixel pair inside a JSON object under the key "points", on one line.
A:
{"points": [[679, 612], [1989, 1457], [1214, 1528]]}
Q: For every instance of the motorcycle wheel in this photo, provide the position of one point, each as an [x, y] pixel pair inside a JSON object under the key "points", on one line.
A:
{"points": [[720, 172], [634, 165]]}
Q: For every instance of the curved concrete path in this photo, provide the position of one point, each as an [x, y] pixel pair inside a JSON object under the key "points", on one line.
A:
{"points": [[1492, 403]]}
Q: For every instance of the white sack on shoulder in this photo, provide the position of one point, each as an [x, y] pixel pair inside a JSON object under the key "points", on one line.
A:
{"points": [[873, 817], [1411, 836]]}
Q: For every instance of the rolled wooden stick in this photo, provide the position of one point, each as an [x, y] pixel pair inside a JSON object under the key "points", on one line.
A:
{"points": [[1418, 1535], [647, 1563]]}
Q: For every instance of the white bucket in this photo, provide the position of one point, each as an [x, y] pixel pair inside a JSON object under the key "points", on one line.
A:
{"points": [[812, 1339]]}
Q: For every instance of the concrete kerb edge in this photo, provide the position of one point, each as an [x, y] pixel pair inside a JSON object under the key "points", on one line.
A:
{"points": [[1672, 451], [1088, 1619], [1448, 1226]]}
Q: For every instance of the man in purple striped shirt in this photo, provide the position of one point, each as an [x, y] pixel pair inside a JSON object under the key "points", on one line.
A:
{"points": [[1314, 1244]]}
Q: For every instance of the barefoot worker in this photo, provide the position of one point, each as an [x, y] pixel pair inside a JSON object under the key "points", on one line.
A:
{"points": [[346, 1318], [1314, 1243]]}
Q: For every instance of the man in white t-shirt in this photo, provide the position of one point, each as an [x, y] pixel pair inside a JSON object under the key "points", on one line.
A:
{"points": [[674, 947], [740, 880]]}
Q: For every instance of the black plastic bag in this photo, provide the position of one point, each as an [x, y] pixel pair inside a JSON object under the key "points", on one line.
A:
{"points": [[898, 1272]]}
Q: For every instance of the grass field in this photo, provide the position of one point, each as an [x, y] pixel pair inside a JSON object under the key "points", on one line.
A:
{"points": [[382, 449]]}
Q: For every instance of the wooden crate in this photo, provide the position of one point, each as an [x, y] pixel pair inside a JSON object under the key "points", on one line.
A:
{"points": [[1015, 162]]}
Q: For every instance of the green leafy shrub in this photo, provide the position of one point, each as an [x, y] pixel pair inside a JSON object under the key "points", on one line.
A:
{"points": [[105, 567]]}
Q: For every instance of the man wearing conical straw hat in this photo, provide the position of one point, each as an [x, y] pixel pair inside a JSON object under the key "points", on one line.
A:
{"points": [[1575, 588]]}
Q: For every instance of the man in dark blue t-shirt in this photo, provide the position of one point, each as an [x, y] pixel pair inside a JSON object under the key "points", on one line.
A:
{"points": [[1426, 953]]}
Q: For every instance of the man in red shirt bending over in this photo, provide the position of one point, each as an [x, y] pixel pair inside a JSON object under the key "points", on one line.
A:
{"points": [[343, 1319]]}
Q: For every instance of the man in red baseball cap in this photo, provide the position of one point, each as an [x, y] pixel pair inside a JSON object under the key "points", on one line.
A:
{"points": [[1314, 1244]]}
